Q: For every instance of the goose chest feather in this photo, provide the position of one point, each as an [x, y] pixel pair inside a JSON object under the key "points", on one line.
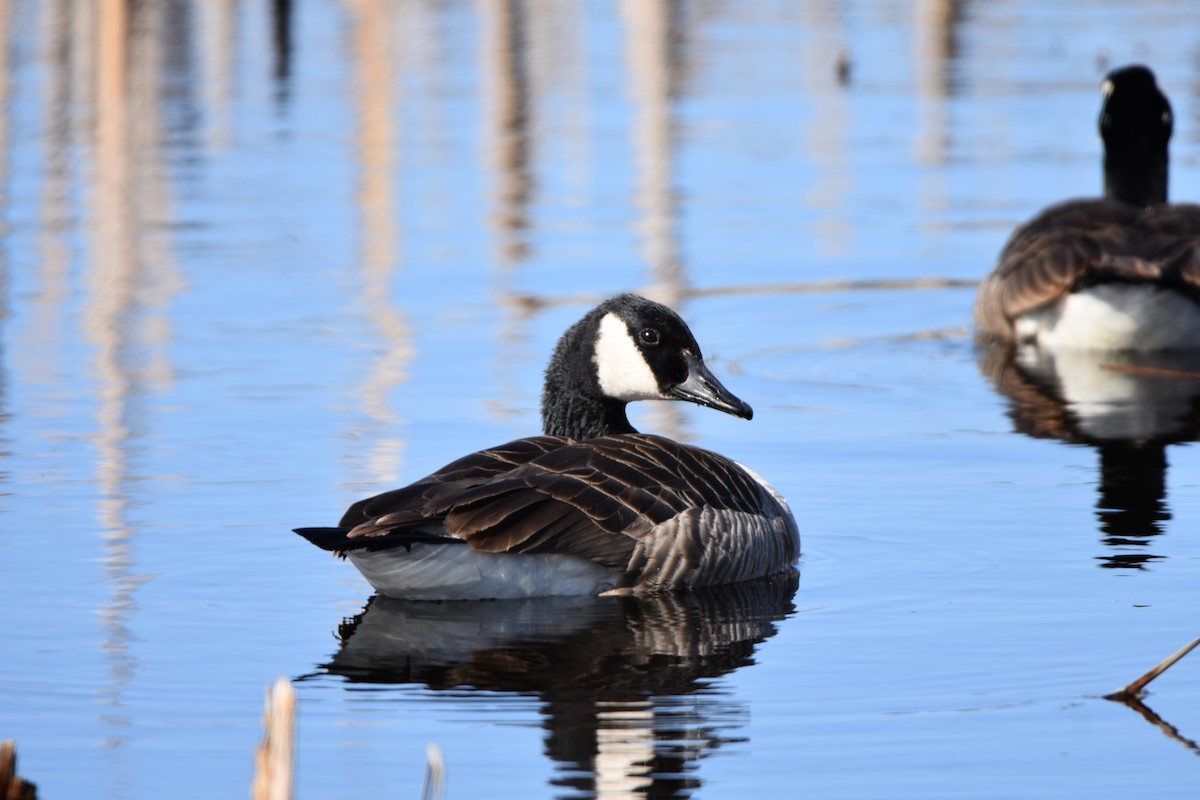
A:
{"points": [[592, 506], [1121, 272]]}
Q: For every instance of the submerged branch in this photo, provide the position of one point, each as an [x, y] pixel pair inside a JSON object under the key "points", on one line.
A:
{"points": [[530, 303], [1135, 689], [1155, 372]]}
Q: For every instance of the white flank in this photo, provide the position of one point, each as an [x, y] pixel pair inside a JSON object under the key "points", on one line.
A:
{"points": [[1115, 317], [620, 367], [456, 572]]}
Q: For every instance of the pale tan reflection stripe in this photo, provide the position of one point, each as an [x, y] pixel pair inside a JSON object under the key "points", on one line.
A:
{"points": [[652, 72], [651, 85], [505, 63], [109, 300], [506, 132], [377, 56], [934, 47], [130, 280], [111, 273], [218, 29], [5, 91], [826, 129], [44, 354], [156, 272]]}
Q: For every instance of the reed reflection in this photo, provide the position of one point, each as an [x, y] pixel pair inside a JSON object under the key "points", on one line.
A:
{"points": [[1128, 406], [506, 95], [827, 134], [281, 41], [376, 76], [131, 279], [625, 682], [937, 24], [656, 39]]}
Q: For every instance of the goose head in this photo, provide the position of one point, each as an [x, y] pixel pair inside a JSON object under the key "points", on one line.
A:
{"points": [[1136, 124], [625, 349]]}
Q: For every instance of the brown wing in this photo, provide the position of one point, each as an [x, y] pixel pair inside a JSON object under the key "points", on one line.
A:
{"points": [[1172, 236], [593, 498], [468, 471], [1086, 242]]}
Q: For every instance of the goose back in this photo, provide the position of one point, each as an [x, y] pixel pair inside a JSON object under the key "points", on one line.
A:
{"points": [[1084, 243], [654, 512]]}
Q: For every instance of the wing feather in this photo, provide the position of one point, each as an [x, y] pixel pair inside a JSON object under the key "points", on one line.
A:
{"points": [[599, 499], [1086, 242]]}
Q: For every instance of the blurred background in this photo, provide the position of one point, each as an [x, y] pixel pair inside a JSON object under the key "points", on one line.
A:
{"points": [[261, 259]]}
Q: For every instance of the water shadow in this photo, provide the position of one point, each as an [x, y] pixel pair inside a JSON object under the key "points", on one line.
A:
{"points": [[1128, 406], [624, 682]]}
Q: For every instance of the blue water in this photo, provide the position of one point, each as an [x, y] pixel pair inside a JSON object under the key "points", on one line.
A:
{"points": [[245, 284]]}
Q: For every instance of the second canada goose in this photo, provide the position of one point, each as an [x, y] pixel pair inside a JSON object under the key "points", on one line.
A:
{"points": [[592, 506], [1117, 273]]}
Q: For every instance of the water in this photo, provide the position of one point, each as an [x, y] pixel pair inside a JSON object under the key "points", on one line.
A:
{"points": [[302, 254]]}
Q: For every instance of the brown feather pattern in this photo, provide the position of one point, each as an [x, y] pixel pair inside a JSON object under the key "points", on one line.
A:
{"points": [[641, 504], [1086, 242]]}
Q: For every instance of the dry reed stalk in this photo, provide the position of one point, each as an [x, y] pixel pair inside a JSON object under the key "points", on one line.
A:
{"points": [[435, 774], [1135, 689], [1156, 372], [12, 786], [273, 767]]}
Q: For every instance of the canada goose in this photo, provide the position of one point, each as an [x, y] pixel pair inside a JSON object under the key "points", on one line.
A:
{"points": [[592, 506], [1117, 273]]}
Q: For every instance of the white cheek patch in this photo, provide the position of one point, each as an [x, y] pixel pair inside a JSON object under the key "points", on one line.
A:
{"points": [[620, 367]]}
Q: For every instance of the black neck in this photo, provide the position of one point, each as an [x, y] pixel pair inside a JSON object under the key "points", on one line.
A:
{"points": [[1138, 179], [572, 403], [580, 417]]}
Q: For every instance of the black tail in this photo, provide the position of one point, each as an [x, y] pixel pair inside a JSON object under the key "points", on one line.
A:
{"points": [[338, 540], [329, 538]]}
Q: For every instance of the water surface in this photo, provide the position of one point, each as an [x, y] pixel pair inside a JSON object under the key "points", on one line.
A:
{"points": [[260, 260]]}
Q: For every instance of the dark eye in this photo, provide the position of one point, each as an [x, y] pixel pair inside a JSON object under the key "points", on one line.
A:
{"points": [[649, 336]]}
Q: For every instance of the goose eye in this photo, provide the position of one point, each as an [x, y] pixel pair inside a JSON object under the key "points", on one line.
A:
{"points": [[1166, 118], [649, 336]]}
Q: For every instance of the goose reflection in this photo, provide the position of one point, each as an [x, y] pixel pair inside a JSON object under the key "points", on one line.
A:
{"points": [[624, 682], [1129, 406]]}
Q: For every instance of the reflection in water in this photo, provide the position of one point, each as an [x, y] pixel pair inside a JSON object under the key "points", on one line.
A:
{"points": [[375, 26], [281, 40], [503, 48], [1129, 406], [623, 681], [652, 40], [131, 280], [654, 50], [1169, 730], [216, 27], [936, 50], [505, 32], [826, 133]]}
